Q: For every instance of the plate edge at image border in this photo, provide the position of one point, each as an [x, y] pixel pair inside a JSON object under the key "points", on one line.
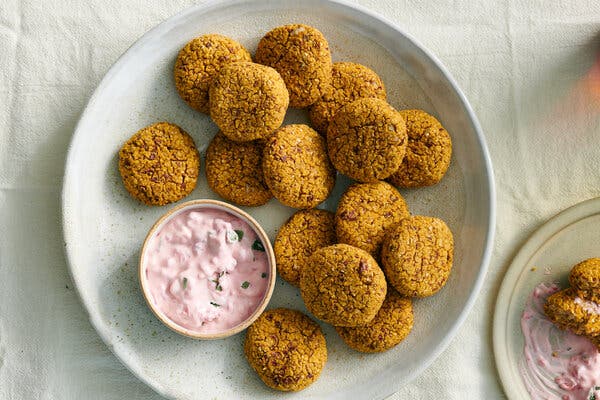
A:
{"points": [[549, 228], [68, 197]]}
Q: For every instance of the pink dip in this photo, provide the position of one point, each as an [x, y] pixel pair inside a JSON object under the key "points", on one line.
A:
{"points": [[206, 270], [558, 364]]}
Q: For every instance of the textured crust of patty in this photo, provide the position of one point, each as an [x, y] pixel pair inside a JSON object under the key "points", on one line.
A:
{"points": [[365, 211], [391, 325], [286, 349], [585, 275], [589, 295], [300, 53], [159, 164], [349, 82], [302, 234], [417, 255], [248, 101], [342, 285], [296, 166], [366, 140], [234, 171], [199, 62], [428, 151], [568, 311]]}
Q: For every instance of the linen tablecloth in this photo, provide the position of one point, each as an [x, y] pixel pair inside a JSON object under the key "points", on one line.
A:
{"points": [[527, 67]]}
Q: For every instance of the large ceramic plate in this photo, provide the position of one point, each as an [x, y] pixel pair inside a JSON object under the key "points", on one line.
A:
{"points": [[547, 256], [104, 227]]}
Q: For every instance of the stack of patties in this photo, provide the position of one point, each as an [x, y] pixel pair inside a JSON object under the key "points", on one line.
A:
{"points": [[577, 308], [359, 268]]}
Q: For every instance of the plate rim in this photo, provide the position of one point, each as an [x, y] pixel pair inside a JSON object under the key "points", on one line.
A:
{"points": [[334, 4], [552, 226]]}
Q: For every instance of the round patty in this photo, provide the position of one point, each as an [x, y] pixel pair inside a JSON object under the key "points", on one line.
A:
{"points": [[342, 285], [286, 349], [568, 311], [296, 167], [159, 164], [302, 234], [391, 325], [234, 171], [586, 275], [199, 62], [417, 256], [300, 53], [248, 101], [366, 140], [428, 151], [349, 82], [365, 211]]}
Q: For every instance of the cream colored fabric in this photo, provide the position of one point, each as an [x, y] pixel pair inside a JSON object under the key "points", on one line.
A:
{"points": [[526, 66]]}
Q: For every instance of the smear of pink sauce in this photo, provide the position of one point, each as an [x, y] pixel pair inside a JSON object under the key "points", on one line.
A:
{"points": [[558, 364], [200, 275]]}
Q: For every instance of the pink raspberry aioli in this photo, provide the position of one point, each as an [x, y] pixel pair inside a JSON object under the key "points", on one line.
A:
{"points": [[206, 270], [557, 364]]}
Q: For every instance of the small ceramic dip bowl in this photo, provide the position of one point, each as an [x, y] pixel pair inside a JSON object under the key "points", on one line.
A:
{"points": [[207, 269]]}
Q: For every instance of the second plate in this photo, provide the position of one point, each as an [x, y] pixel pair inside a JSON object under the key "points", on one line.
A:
{"points": [[569, 237]]}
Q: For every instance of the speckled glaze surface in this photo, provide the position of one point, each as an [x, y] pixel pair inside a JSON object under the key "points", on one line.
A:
{"points": [[104, 227]]}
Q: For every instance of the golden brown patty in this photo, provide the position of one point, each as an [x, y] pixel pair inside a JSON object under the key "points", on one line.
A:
{"points": [[427, 154], [296, 166], [198, 63], [302, 234], [586, 275], [391, 325], [568, 311], [366, 140], [589, 295], [248, 101], [159, 164], [349, 82], [365, 211], [342, 285], [286, 349], [417, 255], [234, 171], [300, 53]]}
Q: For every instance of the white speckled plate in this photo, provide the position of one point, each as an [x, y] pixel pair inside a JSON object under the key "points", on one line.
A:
{"points": [[104, 228], [548, 255]]}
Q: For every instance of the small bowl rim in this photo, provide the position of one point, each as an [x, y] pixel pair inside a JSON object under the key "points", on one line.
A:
{"points": [[215, 204]]}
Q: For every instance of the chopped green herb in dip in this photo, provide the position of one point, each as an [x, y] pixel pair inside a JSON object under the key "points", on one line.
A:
{"points": [[184, 283], [232, 236], [258, 246], [240, 234], [217, 283], [245, 285], [215, 304], [263, 275]]}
